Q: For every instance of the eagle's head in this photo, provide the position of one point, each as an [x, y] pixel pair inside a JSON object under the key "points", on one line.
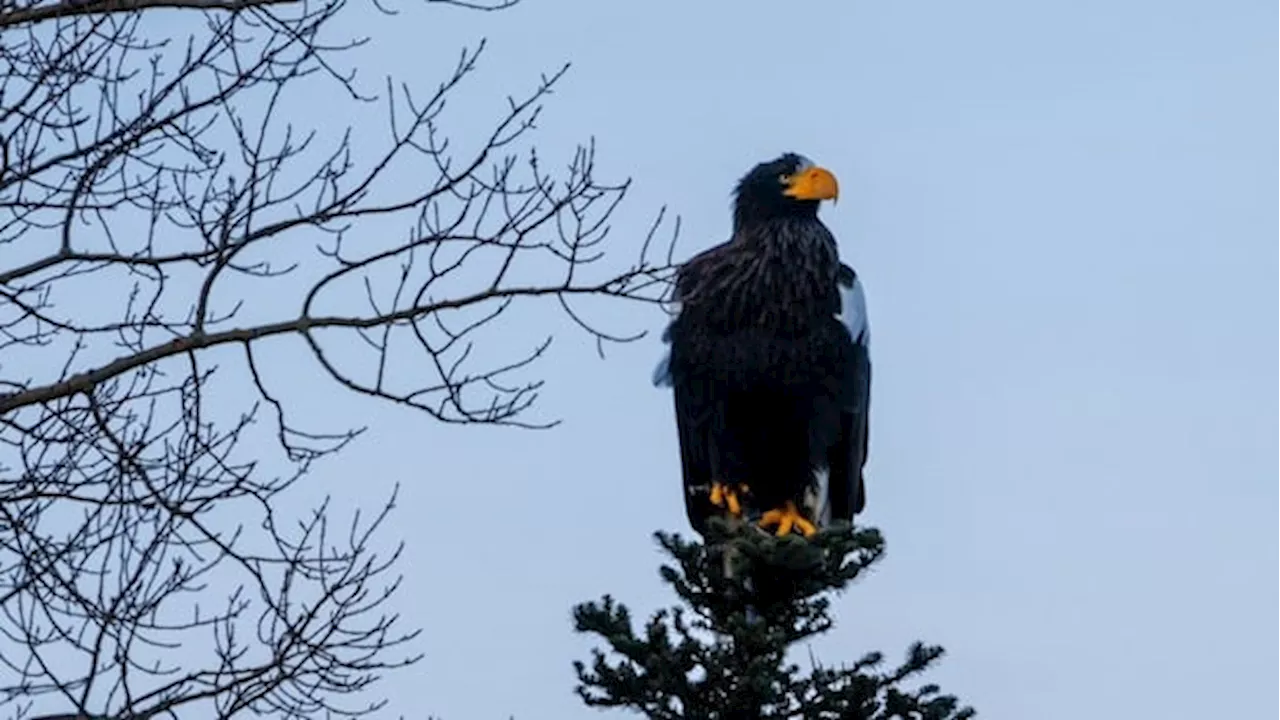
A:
{"points": [[788, 186]]}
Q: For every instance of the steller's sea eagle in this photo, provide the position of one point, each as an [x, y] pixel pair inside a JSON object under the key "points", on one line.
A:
{"points": [[768, 361]]}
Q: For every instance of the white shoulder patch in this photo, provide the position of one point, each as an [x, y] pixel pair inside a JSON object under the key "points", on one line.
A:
{"points": [[662, 373], [853, 312]]}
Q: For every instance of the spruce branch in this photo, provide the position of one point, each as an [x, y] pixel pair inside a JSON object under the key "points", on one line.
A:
{"points": [[746, 599]]}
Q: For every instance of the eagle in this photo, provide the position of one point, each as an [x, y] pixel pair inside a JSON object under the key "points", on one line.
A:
{"points": [[768, 362]]}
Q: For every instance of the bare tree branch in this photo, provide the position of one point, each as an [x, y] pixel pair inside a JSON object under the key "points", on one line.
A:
{"points": [[71, 8], [174, 220]]}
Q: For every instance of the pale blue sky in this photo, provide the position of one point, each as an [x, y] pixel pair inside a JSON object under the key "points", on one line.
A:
{"points": [[1065, 218]]}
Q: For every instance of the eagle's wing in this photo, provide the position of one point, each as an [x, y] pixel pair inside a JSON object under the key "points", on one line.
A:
{"points": [[694, 406], [847, 487]]}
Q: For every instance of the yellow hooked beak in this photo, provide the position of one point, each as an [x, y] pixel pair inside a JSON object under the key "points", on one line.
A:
{"points": [[812, 183]]}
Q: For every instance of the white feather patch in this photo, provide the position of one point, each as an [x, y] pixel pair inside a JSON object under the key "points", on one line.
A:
{"points": [[817, 499], [662, 373], [853, 313]]}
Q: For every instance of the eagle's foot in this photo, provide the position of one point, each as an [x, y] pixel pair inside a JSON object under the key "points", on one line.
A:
{"points": [[788, 518], [726, 497]]}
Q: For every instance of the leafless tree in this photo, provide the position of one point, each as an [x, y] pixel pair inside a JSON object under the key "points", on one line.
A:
{"points": [[170, 222]]}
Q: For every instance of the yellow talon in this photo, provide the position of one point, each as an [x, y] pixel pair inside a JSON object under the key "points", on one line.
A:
{"points": [[786, 518], [723, 495]]}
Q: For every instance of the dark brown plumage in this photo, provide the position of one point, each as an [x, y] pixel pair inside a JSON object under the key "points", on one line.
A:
{"points": [[768, 361]]}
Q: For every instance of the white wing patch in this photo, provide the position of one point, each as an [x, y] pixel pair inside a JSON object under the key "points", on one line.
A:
{"points": [[662, 373], [817, 498], [853, 312]]}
